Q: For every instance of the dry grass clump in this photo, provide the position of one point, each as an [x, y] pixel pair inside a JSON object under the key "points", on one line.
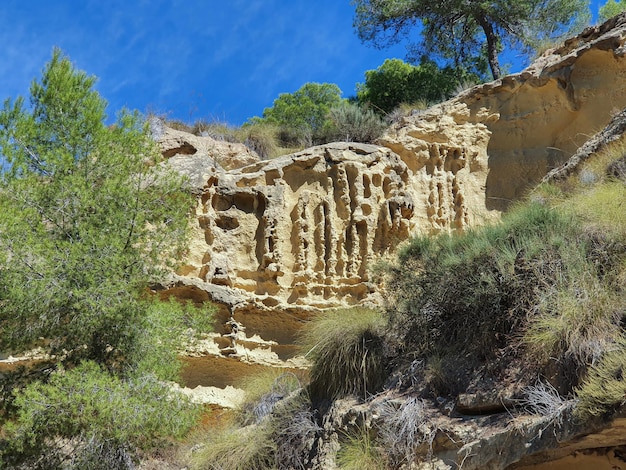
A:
{"points": [[543, 400], [275, 429], [346, 347], [353, 123], [238, 449], [263, 391], [407, 109], [359, 452], [404, 429], [262, 138]]}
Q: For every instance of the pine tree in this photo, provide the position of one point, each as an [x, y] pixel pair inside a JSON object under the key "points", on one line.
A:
{"points": [[88, 219], [464, 30]]}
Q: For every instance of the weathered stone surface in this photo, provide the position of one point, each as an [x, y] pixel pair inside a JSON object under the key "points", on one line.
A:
{"points": [[303, 229], [446, 153], [226, 155], [552, 108], [613, 132]]}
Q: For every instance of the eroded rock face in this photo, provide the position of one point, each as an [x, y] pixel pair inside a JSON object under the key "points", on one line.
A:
{"points": [[536, 119], [552, 108], [226, 155], [304, 228], [445, 149]]}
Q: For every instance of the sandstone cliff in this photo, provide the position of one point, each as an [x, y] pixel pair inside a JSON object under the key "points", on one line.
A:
{"points": [[306, 229], [276, 240]]}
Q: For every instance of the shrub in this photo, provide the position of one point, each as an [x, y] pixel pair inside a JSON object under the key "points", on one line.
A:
{"points": [[543, 400], [355, 124], [577, 320], [295, 431], [604, 388], [347, 350], [540, 276], [466, 293], [100, 415], [260, 138], [302, 116]]}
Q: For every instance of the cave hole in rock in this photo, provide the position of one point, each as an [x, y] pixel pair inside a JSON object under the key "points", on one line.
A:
{"points": [[226, 222]]}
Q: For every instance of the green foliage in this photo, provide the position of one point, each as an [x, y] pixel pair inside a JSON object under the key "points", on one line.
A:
{"points": [[88, 404], [302, 116], [353, 123], [347, 350], [612, 8], [466, 32], [604, 388], [396, 82], [89, 219]]}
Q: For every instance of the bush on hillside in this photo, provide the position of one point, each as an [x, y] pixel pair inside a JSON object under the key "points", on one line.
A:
{"points": [[352, 123], [97, 417], [531, 280], [302, 116]]}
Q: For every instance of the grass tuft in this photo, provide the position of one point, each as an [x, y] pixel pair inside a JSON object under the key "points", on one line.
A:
{"points": [[347, 350], [359, 452], [237, 449], [604, 388], [264, 391]]}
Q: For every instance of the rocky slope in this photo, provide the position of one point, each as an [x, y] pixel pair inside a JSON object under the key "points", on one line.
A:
{"points": [[278, 240]]}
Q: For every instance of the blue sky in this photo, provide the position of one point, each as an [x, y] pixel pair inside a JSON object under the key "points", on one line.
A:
{"points": [[214, 59]]}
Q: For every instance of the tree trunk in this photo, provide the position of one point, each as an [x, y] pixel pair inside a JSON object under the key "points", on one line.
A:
{"points": [[492, 46]]}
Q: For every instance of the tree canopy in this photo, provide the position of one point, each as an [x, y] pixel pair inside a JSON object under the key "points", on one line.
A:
{"points": [[396, 81], [462, 30], [303, 115], [612, 8], [88, 219]]}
